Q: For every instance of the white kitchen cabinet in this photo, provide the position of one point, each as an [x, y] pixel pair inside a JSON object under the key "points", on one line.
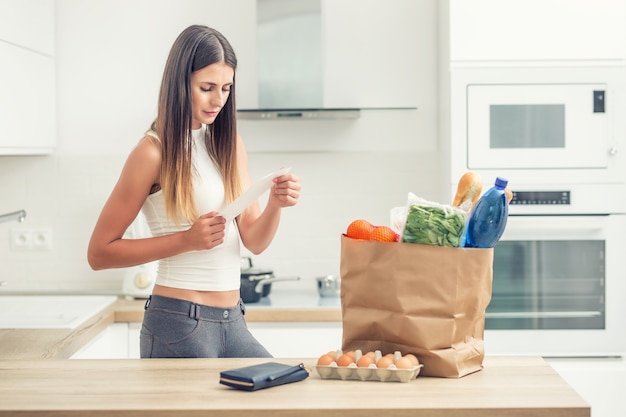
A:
{"points": [[27, 77], [531, 30], [599, 381], [117, 341], [28, 24], [27, 102], [133, 340], [282, 339], [371, 54], [297, 339], [111, 343]]}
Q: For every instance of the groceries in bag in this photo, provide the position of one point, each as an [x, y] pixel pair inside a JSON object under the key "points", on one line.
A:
{"points": [[469, 189], [489, 217], [364, 230], [424, 299], [430, 223]]}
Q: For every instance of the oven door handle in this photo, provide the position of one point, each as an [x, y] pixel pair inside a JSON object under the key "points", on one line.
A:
{"points": [[541, 314]]}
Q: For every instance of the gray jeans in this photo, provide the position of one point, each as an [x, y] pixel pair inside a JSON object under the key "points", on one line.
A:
{"points": [[174, 328]]}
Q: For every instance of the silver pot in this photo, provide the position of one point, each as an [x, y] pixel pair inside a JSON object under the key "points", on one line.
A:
{"points": [[329, 286], [256, 283]]}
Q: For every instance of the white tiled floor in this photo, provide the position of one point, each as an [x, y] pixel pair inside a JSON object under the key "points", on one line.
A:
{"points": [[601, 382]]}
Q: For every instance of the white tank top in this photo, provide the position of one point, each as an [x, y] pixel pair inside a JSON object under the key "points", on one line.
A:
{"points": [[217, 269]]}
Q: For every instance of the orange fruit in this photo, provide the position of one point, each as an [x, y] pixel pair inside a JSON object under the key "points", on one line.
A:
{"points": [[345, 360], [325, 360], [360, 229], [384, 234]]}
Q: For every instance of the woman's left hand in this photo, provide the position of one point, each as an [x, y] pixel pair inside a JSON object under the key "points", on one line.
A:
{"points": [[286, 190]]}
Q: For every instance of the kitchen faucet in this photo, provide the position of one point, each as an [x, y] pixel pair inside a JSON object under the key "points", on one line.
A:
{"points": [[18, 216]]}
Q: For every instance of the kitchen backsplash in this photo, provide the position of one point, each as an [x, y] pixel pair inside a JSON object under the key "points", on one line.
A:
{"points": [[66, 193]]}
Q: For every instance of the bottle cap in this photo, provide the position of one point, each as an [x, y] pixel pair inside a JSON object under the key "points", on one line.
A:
{"points": [[501, 182]]}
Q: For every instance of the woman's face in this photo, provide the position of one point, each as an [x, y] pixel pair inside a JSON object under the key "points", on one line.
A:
{"points": [[210, 88]]}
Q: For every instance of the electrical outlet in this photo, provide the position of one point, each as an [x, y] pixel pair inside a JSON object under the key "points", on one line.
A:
{"points": [[31, 239], [42, 239], [21, 239]]}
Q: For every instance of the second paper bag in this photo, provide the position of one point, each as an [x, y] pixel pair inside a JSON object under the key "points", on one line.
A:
{"points": [[420, 299]]}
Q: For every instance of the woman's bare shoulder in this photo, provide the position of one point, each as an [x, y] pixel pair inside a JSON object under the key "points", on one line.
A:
{"points": [[143, 165], [148, 150]]}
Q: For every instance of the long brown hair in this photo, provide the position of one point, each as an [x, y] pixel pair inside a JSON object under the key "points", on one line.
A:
{"points": [[195, 48]]}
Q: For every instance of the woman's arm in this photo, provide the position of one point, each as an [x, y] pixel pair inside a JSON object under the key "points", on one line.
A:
{"points": [[257, 229], [107, 248]]}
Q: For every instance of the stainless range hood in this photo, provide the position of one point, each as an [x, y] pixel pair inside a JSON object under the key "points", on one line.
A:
{"points": [[290, 63]]}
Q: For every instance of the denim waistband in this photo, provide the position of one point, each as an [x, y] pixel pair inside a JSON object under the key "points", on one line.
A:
{"points": [[194, 310]]}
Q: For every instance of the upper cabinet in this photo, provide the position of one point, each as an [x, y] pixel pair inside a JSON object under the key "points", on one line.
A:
{"points": [[27, 77], [29, 24], [328, 54], [536, 30], [371, 53]]}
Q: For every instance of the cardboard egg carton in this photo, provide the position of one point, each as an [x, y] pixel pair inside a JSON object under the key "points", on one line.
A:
{"points": [[370, 373]]}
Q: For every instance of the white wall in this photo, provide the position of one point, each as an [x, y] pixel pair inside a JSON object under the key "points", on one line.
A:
{"points": [[109, 57]]}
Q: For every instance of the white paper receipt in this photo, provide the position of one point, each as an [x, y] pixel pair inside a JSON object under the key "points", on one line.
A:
{"points": [[255, 191]]}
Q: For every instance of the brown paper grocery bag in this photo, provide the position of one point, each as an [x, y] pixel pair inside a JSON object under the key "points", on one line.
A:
{"points": [[420, 299]]}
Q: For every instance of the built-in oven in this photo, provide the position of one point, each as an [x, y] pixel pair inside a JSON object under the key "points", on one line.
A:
{"points": [[558, 135], [559, 284]]}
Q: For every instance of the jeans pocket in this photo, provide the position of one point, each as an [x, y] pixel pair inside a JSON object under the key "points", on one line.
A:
{"points": [[169, 334]]}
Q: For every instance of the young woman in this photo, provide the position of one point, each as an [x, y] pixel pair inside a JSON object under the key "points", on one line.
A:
{"points": [[190, 164]]}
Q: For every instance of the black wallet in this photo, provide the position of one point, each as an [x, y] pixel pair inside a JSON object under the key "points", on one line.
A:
{"points": [[264, 375]]}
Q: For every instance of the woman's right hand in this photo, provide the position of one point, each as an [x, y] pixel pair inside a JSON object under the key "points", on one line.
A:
{"points": [[207, 232]]}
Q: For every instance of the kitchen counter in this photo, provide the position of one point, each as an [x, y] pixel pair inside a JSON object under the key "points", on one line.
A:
{"points": [[283, 306], [511, 386], [280, 306]]}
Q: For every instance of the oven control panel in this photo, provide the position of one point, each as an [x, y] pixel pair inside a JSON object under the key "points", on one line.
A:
{"points": [[541, 197]]}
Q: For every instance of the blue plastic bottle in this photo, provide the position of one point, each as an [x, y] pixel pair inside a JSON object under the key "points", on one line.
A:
{"points": [[488, 219]]}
